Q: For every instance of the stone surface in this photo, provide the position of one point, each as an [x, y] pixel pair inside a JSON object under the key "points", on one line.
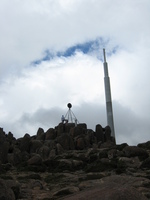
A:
{"points": [[5, 191], [114, 187], [72, 162], [50, 134], [35, 160]]}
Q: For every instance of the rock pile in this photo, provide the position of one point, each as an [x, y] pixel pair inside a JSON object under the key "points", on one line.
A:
{"points": [[73, 160], [54, 141]]}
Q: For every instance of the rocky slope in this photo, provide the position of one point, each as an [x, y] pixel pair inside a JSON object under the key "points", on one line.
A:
{"points": [[68, 162]]}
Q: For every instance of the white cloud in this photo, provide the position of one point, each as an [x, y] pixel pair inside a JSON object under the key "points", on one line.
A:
{"points": [[30, 93]]}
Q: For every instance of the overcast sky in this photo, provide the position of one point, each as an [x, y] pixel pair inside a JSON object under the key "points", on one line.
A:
{"points": [[51, 54]]}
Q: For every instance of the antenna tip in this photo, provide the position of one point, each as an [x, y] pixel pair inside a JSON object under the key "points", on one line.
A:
{"points": [[104, 55]]}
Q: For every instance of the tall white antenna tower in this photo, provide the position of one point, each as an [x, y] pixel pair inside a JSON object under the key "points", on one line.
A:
{"points": [[109, 110]]}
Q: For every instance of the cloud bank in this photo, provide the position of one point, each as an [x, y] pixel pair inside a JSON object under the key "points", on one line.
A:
{"points": [[51, 54]]}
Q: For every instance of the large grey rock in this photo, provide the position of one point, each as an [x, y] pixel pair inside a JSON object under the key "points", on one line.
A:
{"points": [[113, 187]]}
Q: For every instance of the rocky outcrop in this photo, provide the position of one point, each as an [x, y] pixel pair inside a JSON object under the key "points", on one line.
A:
{"points": [[73, 162], [112, 187]]}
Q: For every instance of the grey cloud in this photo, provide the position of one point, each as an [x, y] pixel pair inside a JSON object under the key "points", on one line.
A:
{"points": [[129, 128]]}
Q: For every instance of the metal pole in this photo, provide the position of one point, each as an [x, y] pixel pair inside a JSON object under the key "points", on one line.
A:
{"points": [[109, 109]]}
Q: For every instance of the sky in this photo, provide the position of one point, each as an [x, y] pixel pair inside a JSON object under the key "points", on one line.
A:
{"points": [[51, 54]]}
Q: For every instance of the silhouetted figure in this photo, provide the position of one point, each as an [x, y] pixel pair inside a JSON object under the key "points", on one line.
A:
{"points": [[63, 119]]}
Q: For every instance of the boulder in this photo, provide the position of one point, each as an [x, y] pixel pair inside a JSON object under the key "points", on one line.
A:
{"points": [[52, 154], [66, 190], [99, 133], [63, 164], [146, 163], [10, 137], [24, 144], [76, 131], [80, 143], [15, 158], [66, 141], [108, 134], [82, 125], [69, 126], [60, 129], [107, 144], [132, 162], [35, 145], [51, 144], [15, 186], [145, 145], [35, 160], [77, 164], [40, 134], [44, 152], [5, 191], [50, 134], [113, 187], [133, 151], [4, 147], [59, 149]]}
